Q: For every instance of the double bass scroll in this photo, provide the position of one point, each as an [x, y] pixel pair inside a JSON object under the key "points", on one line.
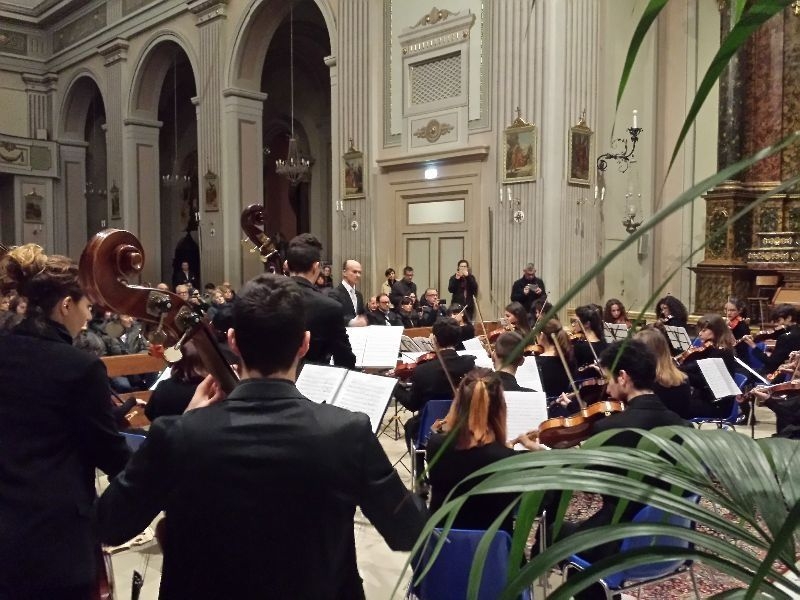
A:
{"points": [[113, 256]]}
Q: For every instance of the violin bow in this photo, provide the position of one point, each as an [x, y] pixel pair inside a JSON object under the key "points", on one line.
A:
{"points": [[586, 337], [483, 324], [567, 371]]}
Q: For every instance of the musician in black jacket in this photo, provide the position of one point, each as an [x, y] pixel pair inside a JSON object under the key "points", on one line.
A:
{"points": [[56, 428], [785, 316], [323, 314], [351, 300], [260, 489]]}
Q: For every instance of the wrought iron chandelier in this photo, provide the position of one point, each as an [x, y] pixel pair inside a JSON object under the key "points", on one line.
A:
{"points": [[294, 167], [174, 180]]}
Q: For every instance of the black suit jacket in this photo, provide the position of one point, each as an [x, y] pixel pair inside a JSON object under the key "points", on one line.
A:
{"points": [[429, 381], [56, 427], [378, 317], [510, 383], [518, 292], [260, 492], [324, 321], [343, 297]]}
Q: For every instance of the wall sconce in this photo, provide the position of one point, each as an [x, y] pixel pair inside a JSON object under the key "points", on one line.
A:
{"points": [[625, 160], [513, 204]]}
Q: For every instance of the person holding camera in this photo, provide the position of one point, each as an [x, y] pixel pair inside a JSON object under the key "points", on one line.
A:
{"points": [[528, 289], [464, 287], [431, 308]]}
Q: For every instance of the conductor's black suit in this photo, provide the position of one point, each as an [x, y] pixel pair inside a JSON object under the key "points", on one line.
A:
{"points": [[324, 321]]}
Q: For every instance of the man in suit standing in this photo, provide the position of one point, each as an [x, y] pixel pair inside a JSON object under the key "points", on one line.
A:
{"points": [[323, 314], [267, 472], [349, 297]]}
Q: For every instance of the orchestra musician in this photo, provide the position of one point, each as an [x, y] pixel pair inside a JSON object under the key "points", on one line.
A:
{"points": [[516, 318], [323, 314], [587, 329], [56, 427], [783, 316], [734, 311], [506, 346], [478, 413], [555, 379], [671, 384], [630, 369], [459, 313], [718, 342], [672, 312], [430, 381], [614, 312], [260, 490]]}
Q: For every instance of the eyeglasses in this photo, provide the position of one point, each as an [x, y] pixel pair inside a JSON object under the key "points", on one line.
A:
{"points": [[383, 302]]}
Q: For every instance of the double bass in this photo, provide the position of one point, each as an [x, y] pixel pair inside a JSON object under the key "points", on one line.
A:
{"points": [[270, 248]]}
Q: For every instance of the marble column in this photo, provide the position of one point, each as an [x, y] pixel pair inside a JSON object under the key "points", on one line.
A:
{"points": [[115, 59], [731, 101], [40, 89], [211, 16]]}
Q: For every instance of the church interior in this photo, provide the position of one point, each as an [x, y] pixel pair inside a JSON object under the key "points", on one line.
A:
{"points": [[406, 132]]}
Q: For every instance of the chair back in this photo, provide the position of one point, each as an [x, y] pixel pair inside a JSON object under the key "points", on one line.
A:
{"points": [[433, 410], [449, 575], [134, 440], [649, 514]]}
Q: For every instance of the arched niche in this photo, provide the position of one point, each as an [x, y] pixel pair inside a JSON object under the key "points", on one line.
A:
{"points": [[255, 31], [75, 107]]}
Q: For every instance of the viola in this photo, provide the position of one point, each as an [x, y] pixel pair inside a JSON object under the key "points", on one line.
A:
{"points": [[404, 371], [564, 432], [694, 353]]}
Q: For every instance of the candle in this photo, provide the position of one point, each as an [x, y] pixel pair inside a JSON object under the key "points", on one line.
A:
{"points": [[635, 119], [501, 194], [508, 195]]}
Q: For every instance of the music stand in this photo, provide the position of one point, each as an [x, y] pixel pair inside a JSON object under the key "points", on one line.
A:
{"points": [[614, 332], [678, 338]]}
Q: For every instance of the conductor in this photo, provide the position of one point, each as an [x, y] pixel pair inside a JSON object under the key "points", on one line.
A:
{"points": [[260, 489]]}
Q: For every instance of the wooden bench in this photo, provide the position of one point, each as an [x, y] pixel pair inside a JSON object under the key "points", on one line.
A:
{"points": [[134, 364]]}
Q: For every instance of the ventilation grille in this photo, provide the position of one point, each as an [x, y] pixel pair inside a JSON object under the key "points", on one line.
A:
{"points": [[436, 79]]}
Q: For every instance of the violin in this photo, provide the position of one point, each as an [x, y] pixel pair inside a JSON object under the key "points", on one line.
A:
{"points": [[768, 334], [694, 353], [574, 337], [591, 390], [404, 371], [113, 256], [496, 333], [778, 388], [565, 432]]}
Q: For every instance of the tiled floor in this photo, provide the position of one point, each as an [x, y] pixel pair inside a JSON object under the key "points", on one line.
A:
{"points": [[380, 567]]}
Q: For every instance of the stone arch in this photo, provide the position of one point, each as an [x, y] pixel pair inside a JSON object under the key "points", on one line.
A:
{"points": [[254, 34], [151, 68], [75, 105]]}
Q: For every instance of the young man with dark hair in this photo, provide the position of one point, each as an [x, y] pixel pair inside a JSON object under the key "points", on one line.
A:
{"points": [[323, 314], [403, 287], [784, 315], [260, 489], [506, 346]]}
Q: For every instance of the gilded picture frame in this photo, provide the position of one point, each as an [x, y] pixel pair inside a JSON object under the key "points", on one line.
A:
{"points": [[352, 173], [520, 152], [579, 154], [33, 208]]}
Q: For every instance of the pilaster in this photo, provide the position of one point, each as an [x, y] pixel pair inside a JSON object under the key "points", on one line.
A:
{"points": [[40, 89], [115, 58], [211, 16]]}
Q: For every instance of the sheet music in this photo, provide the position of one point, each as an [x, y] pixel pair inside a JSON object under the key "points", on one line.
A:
{"points": [[474, 347], [358, 341], [528, 375], [614, 331], [410, 357], [382, 346], [319, 383], [369, 394], [718, 378], [525, 411], [678, 337]]}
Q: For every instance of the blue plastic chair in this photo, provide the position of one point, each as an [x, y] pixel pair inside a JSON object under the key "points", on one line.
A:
{"points": [[449, 575], [134, 440], [433, 410], [638, 577], [728, 422], [752, 360]]}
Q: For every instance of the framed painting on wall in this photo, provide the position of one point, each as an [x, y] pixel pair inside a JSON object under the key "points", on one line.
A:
{"points": [[353, 175], [580, 154], [520, 152], [34, 208]]}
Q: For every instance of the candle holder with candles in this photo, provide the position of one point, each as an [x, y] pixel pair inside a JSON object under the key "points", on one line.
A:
{"points": [[625, 157]]}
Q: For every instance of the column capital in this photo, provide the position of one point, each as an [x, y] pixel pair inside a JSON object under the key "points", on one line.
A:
{"points": [[40, 83], [208, 10], [114, 51], [330, 61]]}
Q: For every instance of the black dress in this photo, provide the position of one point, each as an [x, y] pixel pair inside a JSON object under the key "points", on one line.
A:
{"points": [[56, 428], [452, 466], [703, 402], [676, 398]]}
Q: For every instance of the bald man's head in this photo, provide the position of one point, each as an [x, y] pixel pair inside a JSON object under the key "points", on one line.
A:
{"points": [[351, 272]]}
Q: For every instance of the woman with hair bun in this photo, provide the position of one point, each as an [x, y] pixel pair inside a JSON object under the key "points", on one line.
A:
{"points": [[477, 423], [56, 427]]}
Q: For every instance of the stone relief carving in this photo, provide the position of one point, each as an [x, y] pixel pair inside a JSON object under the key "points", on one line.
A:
{"points": [[13, 42], [433, 130], [13, 154], [79, 28], [434, 17]]}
